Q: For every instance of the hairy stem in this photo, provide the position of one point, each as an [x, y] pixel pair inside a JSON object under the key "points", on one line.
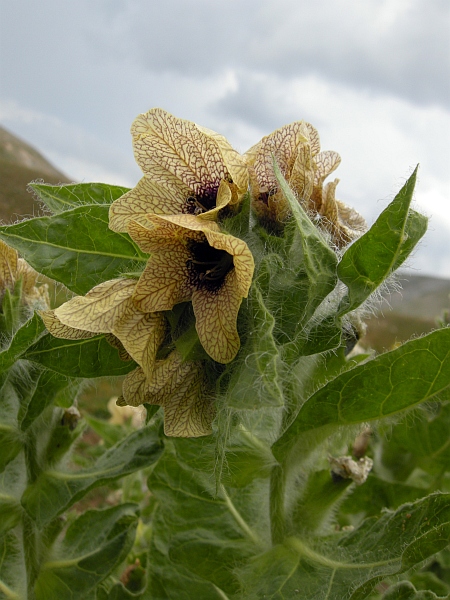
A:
{"points": [[277, 507], [30, 545]]}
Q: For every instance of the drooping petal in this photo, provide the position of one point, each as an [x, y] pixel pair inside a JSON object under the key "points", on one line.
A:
{"points": [[108, 308], [59, 330], [180, 388], [344, 223], [100, 308], [117, 344], [163, 194], [216, 319], [326, 163], [141, 335], [139, 389], [351, 221], [175, 225], [302, 174], [165, 280], [189, 411], [244, 264], [224, 197]]}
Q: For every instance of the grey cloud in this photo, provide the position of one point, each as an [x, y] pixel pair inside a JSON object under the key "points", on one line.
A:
{"points": [[405, 53], [79, 53], [260, 102]]}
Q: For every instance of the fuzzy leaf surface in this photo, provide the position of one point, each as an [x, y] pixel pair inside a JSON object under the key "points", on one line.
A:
{"points": [[26, 336], [55, 491], [199, 537], [76, 247], [92, 357], [51, 387], [59, 198], [383, 387], [93, 546], [406, 591], [348, 566], [13, 576]]}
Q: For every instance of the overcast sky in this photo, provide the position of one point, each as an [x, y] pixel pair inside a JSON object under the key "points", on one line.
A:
{"points": [[373, 76]]}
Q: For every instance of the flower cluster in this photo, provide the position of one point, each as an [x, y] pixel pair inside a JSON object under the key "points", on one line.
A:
{"points": [[192, 180]]}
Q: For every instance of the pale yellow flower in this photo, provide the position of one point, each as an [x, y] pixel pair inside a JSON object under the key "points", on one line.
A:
{"points": [[193, 260], [181, 388], [296, 149], [109, 308], [187, 169], [13, 269]]}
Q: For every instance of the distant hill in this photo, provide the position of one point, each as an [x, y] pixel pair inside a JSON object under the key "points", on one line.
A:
{"points": [[20, 164], [413, 310]]}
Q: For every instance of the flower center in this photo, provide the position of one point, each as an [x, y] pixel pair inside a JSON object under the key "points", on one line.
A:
{"points": [[204, 200], [264, 196], [208, 266]]}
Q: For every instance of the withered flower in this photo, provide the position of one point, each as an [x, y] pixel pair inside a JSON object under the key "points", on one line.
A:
{"points": [[188, 169], [296, 149], [193, 260]]}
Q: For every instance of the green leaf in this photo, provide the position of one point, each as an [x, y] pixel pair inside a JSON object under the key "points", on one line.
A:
{"points": [[426, 580], [93, 546], [319, 501], [93, 357], [199, 537], [11, 443], [377, 494], [11, 309], [12, 482], [385, 386], [59, 198], [75, 247], [406, 591], [247, 458], [425, 442], [10, 513], [319, 337], [51, 388], [110, 434], [382, 249], [349, 565], [27, 335], [13, 576], [16, 388], [319, 260], [55, 491], [65, 429]]}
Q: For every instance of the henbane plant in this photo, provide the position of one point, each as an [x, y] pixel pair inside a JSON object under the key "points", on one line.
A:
{"points": [[229, 292]]}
